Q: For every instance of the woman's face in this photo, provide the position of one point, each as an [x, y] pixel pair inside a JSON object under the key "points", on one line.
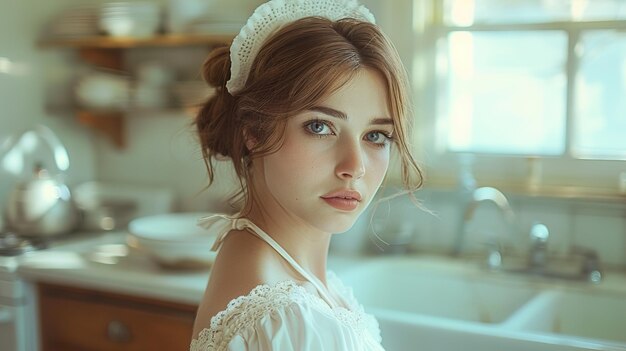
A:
{"points": [[334, 157]]}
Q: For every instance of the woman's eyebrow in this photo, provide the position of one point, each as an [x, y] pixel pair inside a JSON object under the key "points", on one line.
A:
{"points": [[329, 111], [338, 114], [381, 121]]}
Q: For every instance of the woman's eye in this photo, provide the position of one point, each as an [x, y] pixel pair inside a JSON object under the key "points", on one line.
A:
{"points": [[318, 127], [377, 137]]}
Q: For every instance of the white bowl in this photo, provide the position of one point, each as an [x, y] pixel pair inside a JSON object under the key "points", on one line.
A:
{"points": [[123, 19], [101, 90], [173, 240], [126, 26]]}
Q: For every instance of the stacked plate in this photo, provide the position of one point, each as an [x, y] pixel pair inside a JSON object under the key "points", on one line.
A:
{"points": [[130, 19], [103, 91], [74, 22]]}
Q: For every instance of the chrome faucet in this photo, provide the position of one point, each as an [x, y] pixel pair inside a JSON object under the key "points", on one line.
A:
{"points": [[538, 255], [478, 196], [538, 260]]}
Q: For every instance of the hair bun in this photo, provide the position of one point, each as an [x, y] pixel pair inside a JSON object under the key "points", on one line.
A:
{"points": [[216, 68]]}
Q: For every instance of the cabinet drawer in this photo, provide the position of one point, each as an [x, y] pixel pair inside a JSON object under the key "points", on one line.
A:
{"points": [[77, 319]]}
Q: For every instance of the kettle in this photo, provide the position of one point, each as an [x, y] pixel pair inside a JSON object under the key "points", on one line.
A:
{"points": [[42, 205]]}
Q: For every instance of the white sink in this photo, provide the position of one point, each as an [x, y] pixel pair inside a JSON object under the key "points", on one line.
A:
{"points": [[438, 304], [588, 315], [435, 288]]}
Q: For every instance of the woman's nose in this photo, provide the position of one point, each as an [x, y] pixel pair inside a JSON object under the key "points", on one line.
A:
{"points": [[351, 163]]}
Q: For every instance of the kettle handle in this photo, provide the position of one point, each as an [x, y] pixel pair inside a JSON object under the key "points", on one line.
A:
{"points": [[61, 158]]}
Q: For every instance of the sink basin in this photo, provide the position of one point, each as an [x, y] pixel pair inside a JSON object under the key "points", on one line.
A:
{"points": [[440, 289], [440, 304], [600, 316]]}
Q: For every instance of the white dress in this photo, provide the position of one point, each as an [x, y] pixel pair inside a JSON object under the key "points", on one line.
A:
{"points": [[286, 316]]}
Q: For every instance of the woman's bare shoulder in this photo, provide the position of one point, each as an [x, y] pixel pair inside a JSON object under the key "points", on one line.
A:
{"points": [[243, 263]]}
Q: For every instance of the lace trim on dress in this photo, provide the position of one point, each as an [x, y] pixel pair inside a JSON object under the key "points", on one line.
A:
{"points": [[366, 321], [264, 299]]}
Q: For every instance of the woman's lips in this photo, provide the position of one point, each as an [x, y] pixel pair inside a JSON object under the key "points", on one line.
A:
{"points": [[345, 200], [341, 203]]}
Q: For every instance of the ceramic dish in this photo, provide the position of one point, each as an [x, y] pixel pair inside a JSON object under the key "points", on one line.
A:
{"points": [[173, 240]]}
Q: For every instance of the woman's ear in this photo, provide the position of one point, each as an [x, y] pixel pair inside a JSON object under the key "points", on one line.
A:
{"points": [[251, 142]]}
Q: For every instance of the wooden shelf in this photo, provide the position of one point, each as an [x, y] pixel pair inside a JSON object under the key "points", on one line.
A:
{"points": [[110, 124], [107, 52], [136, 112], [107, 42]]}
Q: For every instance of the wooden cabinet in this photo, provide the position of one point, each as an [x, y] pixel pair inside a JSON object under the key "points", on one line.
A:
{"points": [[108, 52], [73, 319]]}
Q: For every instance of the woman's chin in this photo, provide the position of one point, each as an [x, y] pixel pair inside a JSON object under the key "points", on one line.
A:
{"points": [[339, 224]]}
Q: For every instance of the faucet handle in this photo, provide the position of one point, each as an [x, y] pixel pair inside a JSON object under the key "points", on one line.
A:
{"points": [[539, 234], [591, 263]]}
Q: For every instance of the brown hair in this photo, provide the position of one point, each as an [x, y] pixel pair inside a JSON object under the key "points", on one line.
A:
{"points": [[301, 64]]}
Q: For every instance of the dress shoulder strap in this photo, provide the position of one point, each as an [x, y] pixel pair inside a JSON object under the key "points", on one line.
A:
{"points": [[224, 224]]}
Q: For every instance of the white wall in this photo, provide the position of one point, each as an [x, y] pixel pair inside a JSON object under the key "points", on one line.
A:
{"points": [[22, 89]]}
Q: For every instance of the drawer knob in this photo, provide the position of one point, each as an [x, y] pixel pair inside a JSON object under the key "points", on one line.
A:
{"points": [[118, 332]]}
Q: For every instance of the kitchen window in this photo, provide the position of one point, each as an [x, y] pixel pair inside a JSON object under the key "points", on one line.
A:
{"points": [[530, 88]]}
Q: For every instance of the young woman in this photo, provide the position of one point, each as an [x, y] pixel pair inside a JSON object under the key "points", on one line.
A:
{"points": [[311, 99]]}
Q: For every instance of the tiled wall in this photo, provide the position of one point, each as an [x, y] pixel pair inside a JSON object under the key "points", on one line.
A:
{"points": [[593, 224]]}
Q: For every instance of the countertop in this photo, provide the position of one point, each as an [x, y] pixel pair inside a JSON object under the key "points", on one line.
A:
{"points": [[74, 263], [96, 261]]}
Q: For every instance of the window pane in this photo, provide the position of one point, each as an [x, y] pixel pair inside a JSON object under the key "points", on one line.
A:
{"points": [[468, 12], [503, 92], [600, 103]]}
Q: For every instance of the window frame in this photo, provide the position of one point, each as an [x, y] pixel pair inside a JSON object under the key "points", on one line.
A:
{"points": [[566, 173]]}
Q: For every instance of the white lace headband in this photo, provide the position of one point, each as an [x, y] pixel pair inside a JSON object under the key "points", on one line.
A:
{"points": [[270, 17]]}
